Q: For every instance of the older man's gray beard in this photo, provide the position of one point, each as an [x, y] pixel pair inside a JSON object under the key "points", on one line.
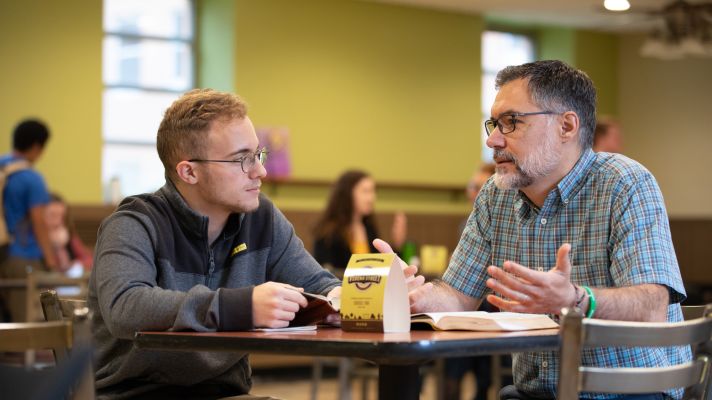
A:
{"points": [[510, 180], [538, 164]]}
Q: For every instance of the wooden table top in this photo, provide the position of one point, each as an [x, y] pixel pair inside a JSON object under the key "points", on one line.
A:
{"points": [[390, 348]]}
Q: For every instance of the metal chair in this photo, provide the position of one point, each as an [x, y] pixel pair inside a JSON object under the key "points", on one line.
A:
{"points": [[349, 370], [692, 312], [578, 333]]}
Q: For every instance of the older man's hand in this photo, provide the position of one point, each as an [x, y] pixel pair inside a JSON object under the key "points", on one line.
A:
{"points": [[529, 291], [414, 281]]}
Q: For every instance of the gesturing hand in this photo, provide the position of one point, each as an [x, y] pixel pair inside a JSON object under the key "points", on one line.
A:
{"points": [[274, 304], [526, 290], [409, 271]]}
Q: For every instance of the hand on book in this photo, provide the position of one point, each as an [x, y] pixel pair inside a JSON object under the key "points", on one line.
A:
{"points": [[414, 281], [275, 304], [319, 309], [529, 291]]}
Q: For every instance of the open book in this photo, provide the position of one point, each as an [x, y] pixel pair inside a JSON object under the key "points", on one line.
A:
{"points": [[483, 321], [318, 307]]}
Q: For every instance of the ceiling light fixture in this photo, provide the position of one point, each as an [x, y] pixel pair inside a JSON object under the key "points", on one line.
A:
{"points": [[616, 5]]}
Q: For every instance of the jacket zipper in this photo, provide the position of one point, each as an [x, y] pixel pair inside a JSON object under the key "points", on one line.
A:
{"points": [[211, 268]]}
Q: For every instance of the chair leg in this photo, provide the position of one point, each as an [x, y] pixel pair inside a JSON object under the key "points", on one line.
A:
{"points": [[496, 384], [317, 373], [30, 296], [440, 379], [345, 365], [364, 388]]}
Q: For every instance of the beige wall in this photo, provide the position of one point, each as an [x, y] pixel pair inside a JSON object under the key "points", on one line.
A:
{"points": [[51, 69], [391, 89], [666, 112]]}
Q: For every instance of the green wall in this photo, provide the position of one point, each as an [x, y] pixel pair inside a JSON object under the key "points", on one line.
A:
{"points": [[557, 43], [216, 44], [51, 69], [596, 53]]}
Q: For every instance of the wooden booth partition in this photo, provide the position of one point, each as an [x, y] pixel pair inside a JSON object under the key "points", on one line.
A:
{"points": [[443, 229], [692, 237]]}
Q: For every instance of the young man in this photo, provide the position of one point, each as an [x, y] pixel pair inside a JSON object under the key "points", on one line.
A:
{"points": [[205, 252], [560, 225], [25, 197]]}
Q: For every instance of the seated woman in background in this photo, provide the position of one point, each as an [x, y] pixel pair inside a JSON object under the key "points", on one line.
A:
{"points": [[72, 256], [348, 224]]}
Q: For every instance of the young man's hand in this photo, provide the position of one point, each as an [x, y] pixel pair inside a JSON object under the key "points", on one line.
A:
{"points": [[274, 304]]}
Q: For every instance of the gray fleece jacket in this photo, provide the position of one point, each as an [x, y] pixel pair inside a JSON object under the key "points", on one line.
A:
{"points": [[155, 270]]}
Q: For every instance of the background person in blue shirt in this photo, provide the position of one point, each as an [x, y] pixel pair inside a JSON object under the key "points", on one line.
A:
{"points": [[24, 199], [557, 221]]}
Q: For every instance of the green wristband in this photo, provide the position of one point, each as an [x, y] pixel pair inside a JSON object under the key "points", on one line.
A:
{"points": [[591, 302]]}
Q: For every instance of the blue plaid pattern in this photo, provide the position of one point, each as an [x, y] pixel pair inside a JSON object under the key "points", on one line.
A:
{"points": [[610, 209]]}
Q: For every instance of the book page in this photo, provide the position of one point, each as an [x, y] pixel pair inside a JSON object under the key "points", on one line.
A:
{"points": [[436, 316], [484, 321]]}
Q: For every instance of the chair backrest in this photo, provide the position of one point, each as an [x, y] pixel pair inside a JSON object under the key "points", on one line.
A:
{"points": [[23, 336], [578, 333], [58, 310], [692, 312]]}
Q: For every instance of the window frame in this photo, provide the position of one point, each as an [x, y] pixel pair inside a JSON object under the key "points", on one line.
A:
{"points": [[486, 153], [108, 183]]}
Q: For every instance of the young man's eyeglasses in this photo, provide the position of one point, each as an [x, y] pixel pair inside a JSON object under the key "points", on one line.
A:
{"points": [[507, 123], [246, 162]]}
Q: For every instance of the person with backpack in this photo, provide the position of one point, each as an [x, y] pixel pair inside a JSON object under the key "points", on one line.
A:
{"points": [[23, 233]]}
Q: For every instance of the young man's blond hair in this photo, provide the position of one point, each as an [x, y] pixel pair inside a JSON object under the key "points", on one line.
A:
{"points": [[183, 130]]}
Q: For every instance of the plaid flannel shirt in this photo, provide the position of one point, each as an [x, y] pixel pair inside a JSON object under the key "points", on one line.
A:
{"points": [[610, 209]]}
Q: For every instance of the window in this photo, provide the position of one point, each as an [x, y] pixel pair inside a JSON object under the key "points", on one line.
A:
{"points": [[148, 61], [499, 50]]}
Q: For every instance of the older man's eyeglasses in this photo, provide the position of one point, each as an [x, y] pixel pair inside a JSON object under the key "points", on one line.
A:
{"points": [[246, 162], [507, 123]]}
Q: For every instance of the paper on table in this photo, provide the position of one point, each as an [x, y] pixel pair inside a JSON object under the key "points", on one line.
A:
{"points": [[303, 328]]}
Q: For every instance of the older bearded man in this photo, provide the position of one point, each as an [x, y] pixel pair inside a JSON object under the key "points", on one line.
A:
{"points": [[560, 226]]}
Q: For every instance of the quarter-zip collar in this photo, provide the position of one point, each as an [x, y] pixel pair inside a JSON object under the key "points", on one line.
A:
{"points": [[194, 222]]}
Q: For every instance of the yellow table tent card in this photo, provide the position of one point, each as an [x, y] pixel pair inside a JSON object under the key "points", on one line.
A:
{"points": [[374, 295]]}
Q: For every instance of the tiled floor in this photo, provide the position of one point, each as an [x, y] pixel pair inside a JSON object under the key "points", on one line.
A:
{"points": [[295, 383], [298, 387]]}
